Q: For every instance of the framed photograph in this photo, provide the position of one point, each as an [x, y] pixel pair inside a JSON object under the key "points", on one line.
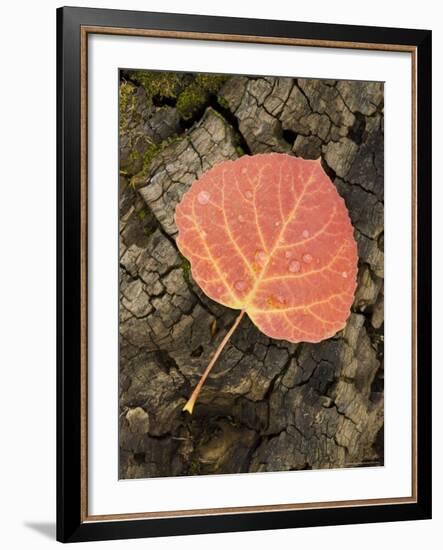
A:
{"points": [[244, 274]]}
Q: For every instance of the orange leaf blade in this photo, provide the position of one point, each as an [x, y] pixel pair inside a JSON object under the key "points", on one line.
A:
{"points": [[269, 234]]}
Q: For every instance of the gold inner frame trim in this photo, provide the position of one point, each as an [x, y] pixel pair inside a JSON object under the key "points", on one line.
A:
{"points": [[84, 32]]}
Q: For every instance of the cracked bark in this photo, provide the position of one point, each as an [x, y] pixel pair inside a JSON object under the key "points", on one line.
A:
{"points": [[267, 405]]}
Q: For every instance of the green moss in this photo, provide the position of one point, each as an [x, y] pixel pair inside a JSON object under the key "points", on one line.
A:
{"points": [[191, 94], [240, 150], [148, 156], [126, 102], [134, 156], [127, 91], [191, 100], [186, 268], [197, 93], [142, 214], [194, 467], [210, 82], [157, 83], [222, 102], [133, 163]]}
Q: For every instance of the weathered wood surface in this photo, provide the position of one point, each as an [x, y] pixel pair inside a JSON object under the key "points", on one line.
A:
{"points": [[268, 405]]}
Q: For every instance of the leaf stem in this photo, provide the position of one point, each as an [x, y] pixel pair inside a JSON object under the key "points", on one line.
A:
{"points": [[191, 401]]}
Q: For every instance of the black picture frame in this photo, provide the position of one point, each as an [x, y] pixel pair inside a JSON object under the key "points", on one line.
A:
{"points": [[72, 526]]}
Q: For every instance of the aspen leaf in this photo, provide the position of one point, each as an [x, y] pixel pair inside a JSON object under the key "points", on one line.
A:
{"points": [[269, 235]]}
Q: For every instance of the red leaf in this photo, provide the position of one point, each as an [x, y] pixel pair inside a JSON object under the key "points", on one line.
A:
{"points": [[270, 235]]}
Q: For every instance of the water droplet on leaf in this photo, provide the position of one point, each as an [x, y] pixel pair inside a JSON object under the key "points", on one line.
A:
{"points": [[294, 266], [240, 285], [307, 258], [203, 197], [305, 234], [261, 256], [248, 195]]}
